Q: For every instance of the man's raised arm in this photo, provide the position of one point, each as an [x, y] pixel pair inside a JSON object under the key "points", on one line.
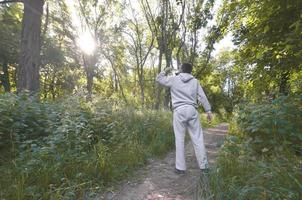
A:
{"points": [[163, 79]]}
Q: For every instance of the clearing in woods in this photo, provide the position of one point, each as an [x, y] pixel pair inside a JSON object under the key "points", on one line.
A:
{"points": [[159, 182]]}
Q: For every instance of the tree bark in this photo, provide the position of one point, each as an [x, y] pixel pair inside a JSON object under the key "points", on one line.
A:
{"points": [[283, 86], [10, 1], [28, 70], [5, 79], [167, 99], [52, 85], [142, 89], [162, 46], [158, 91], [89, 78]]}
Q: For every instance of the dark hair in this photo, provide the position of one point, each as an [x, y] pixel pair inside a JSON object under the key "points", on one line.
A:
{"points": [[186, 68]]}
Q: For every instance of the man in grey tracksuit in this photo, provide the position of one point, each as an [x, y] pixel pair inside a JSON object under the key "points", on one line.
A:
{"points": [[186, 94]]}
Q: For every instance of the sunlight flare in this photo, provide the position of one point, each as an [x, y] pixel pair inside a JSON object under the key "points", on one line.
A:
{"points": [[87, 43]]}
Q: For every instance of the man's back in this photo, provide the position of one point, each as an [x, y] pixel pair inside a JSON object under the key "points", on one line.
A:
{"points": [[185, 90]]}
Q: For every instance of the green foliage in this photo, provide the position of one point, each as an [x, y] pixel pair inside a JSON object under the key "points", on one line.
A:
{"points": [[218, 81], [22, 120], [10, 29], [275, 124], [201, 15], [261, 157], [69, 148], [267, 34], [240, 174]]}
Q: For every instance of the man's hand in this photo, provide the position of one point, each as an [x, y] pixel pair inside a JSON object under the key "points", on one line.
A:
{"points": [[209, 117], [168, 70]]}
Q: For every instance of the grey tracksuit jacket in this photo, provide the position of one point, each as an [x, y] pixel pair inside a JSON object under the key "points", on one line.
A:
{"points": [[185, 90]]}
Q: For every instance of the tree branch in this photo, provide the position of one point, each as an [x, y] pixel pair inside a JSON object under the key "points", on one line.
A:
{"points": [[11, 1]]}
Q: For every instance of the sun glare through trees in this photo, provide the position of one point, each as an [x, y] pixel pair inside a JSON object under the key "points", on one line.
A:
{"points": [[82, 108]]}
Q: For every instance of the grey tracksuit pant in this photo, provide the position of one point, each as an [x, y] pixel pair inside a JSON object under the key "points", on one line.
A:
{"points": [[187, 118]]}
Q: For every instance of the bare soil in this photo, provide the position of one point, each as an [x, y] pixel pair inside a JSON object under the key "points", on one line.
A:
{"points": [[158, 180]]}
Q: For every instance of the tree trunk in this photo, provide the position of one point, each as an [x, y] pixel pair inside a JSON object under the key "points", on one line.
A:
{"points": [[140, 75], [115, 82], [283, 86], [89, 77], [193, 50], [121, 89], [141, 85], [157, 103], [118, 80], [89, 64], [162, 46], [52, 85], [28, 70], [5, 80], [167, 99], [142, 97], [45, 86]]}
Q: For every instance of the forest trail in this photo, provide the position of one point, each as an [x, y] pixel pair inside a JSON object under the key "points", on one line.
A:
{"points": [[159, 182]]}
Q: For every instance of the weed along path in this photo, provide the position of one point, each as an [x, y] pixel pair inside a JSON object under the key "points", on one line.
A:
{"points": [[159, 182]]}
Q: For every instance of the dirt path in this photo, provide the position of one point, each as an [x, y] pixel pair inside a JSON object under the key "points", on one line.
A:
{"points": [[158, 180]]}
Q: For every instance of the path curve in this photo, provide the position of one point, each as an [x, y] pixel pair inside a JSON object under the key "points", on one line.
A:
{"points": [[159, 182]]}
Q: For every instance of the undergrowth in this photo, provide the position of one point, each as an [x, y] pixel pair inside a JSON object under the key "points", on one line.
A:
{"points": [[70, 149], [261, 157]]}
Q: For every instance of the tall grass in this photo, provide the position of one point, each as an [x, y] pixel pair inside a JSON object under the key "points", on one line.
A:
{"points": [[261, 157], [69, 149], [240, 175]]}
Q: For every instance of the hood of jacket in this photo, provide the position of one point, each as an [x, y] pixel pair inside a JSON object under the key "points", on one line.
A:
{"points": [[185, 77]]}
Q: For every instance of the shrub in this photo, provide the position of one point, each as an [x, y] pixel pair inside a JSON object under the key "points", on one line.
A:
{"points": [[274, 124], [22, 119], [69, 148], [261, 157], [240, 174]]}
